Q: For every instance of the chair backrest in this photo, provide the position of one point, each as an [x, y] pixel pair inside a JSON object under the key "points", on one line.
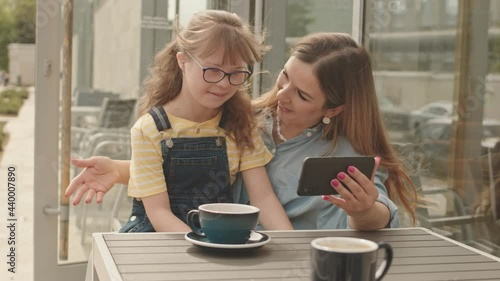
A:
{"points": [[117, 113], [92, 97], [412, 156], [485, 173], [494, 180]]}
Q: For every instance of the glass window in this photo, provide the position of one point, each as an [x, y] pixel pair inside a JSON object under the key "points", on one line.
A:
{"points": [[426, 14], [451, 12], [413, 48], [292, 19], [113, 47], [306, 16]]}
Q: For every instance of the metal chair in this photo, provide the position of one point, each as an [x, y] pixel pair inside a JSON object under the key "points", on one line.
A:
{"points": [[114, 121], [412, 157], [89, 98], [115, 222], [465, 223], [92, 97], [485, 172], [110, 137], [100, 149]]}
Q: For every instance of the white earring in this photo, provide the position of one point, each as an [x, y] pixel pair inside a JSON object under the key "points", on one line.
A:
{"points": [[326, 120]]}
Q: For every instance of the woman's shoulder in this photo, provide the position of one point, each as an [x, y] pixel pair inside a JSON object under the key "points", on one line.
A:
{"points": [[344, 148]]}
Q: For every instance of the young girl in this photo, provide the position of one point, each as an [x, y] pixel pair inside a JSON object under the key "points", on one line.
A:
{"points": [[196, 129]]}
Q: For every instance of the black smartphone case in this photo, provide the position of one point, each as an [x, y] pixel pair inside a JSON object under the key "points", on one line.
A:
{"points": [[318, 172]]}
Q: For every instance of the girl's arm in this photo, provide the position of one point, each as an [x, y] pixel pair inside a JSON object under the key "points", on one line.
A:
{"points": [[272, 215], [161, 216]]}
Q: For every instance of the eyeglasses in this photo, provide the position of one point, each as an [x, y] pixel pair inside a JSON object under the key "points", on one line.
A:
{"points": [[214, 75]]}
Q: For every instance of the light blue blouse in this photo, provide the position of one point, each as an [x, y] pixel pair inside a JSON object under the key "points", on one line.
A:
{"points": [[308, 212]]}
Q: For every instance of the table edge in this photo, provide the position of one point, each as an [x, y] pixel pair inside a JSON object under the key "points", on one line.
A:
{"points": [[495, 258], [102, 260]]}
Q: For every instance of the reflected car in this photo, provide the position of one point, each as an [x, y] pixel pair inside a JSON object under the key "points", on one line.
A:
{"points": [[419, 117], [395, 119], [435, 142]]}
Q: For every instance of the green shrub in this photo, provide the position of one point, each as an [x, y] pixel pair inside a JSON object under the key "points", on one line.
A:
{"points": [[11, 101], [2, 136], [10, 93], [10, 107]]}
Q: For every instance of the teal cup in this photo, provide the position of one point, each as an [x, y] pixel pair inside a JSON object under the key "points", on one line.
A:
{"points": [[224, 223]]}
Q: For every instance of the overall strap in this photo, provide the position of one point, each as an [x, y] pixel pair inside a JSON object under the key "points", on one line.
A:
{"points": [[160, 117]]}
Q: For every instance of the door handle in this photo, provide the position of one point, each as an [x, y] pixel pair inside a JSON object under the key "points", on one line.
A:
{"points": [[62, 211]]}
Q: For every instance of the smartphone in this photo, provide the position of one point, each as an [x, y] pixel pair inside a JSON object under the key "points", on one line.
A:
{"points": [[318, 172]]}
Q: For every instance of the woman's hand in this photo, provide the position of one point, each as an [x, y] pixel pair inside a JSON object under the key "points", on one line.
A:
{"points": [[358, 198], [99, 176], [361, 193]]}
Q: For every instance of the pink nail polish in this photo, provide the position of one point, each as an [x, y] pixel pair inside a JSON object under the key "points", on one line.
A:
{"points": [[335, 183], [341, 176], [325, 197], [351, 169]]}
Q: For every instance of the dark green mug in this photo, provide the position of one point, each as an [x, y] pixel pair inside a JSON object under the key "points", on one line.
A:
{"points": [[224, 223], [348, 259]]}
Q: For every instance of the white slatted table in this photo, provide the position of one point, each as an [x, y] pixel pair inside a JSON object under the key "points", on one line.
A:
{"points": [[419, 255]]}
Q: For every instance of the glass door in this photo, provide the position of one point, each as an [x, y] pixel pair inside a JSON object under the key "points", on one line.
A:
{"points": [[47, 210], [436, 70], [103, 58]]}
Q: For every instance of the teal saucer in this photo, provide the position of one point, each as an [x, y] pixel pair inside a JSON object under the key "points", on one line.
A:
{"points": [[256, 240]]}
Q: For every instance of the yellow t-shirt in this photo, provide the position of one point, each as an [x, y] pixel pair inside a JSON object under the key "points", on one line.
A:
{"points": [[146, 171]]}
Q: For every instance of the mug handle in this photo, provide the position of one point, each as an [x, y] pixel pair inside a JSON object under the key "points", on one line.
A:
{"points": [[384, 266], [190, 221]]}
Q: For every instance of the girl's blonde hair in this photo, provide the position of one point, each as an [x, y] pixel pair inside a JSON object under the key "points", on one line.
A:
{"points": [[344, 72], [206, 33]]}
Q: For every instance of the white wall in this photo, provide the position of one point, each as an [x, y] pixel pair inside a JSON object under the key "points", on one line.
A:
{"points": [[22, 63], [117, 31]]}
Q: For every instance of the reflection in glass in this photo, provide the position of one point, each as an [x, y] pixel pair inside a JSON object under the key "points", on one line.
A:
{"points": [[113, 46], [307, 16], [413, 49]]}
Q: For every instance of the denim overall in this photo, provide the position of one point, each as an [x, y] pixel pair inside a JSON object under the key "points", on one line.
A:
{"points": [[196, 171]]}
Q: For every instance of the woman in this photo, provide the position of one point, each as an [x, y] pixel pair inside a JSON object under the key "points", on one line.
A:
{"points": [[323, 104]]}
